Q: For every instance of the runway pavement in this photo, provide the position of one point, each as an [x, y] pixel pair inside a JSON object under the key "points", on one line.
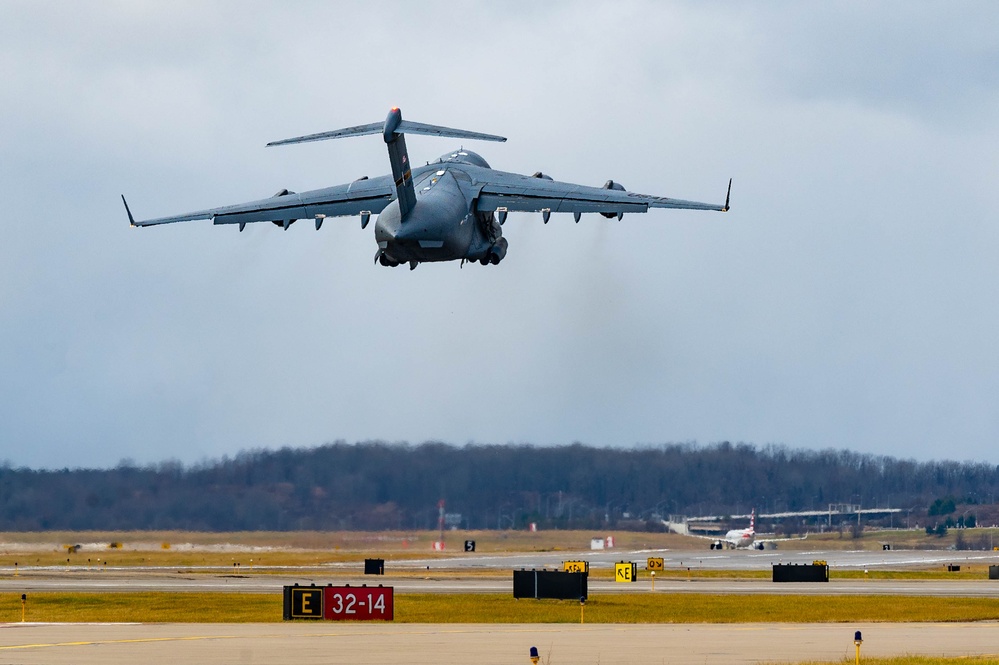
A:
{"points": [[487, 573], [485, 644], [125, 583], [415, 644], [717, 559]]}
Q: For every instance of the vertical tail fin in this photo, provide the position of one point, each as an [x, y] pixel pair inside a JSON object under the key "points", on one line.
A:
{"points": [[402, 173], [752, 521], [393, 130]]}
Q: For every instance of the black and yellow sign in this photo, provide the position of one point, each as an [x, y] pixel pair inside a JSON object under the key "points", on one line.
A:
{"points": [[625, 571], [575, 566], [656, 563], [306, 603]]}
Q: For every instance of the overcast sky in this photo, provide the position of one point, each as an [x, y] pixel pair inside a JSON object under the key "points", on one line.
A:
{"points": [[848, 300]]}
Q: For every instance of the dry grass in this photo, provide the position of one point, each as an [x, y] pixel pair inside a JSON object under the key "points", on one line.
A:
{"points": [[503, 608], [387, 542], [307, 549]]}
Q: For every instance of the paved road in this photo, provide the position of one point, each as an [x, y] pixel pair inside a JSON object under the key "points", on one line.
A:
{"points": [[477, 573], [674, 559], [261, 583], [485, 644], [715, 560]]}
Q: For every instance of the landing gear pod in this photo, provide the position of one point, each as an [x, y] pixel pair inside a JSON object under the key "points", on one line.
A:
{"points": [[610, 184], [496, 253]]}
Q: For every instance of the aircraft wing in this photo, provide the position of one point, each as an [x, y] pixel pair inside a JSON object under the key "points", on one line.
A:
{"points": [[342, 200], [781, 540], [519, 193]]}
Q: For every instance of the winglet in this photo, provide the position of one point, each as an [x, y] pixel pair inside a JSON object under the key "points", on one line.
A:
{"points": [[131, 220], [727, 195]]}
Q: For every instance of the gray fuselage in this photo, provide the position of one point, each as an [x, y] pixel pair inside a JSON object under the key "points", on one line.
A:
{"points": [[443, 225]]}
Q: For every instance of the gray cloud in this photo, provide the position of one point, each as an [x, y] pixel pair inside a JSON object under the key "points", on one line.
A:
{"points": [[847, 300]]}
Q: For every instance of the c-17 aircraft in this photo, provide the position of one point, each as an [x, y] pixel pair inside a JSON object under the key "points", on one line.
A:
{"points": [[451, 209]]}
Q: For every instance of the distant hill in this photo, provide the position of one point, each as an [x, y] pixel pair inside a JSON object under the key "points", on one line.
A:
{"points": [[373, 486]]}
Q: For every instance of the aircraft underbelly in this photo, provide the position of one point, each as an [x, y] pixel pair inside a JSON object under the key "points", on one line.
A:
{"points": [[438, 228]]}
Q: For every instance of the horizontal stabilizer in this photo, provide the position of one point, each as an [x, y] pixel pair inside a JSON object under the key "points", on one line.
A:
{"points": [[393, 125], [360, 130], [407, 127]]}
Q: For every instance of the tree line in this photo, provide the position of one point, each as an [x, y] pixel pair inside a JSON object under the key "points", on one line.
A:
{"points": [[378, 486]]}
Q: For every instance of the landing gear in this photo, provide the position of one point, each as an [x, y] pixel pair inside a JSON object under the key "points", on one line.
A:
{"points": [[496, 252], [382, 258]]}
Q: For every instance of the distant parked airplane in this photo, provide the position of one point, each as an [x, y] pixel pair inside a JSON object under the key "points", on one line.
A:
{"points": [[737, 538], [744, 538]]}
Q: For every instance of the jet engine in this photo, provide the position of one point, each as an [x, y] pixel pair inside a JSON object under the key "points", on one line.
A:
{"points": [[610, 184]]}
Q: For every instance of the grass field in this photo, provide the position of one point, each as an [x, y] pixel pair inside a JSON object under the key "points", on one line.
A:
{"points": [[503, 608], [419, 542], [256, 549]]}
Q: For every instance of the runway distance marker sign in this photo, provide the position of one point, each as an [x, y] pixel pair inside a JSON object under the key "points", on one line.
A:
{"points": [[363, 603]]}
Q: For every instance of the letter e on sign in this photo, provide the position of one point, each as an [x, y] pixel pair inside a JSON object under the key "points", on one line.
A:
{"points": [[307, 603], [622, 571]]}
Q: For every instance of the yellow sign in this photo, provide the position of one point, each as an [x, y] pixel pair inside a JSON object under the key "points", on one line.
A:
{"points": [[625, 571], [656, 563], [576, 566]]}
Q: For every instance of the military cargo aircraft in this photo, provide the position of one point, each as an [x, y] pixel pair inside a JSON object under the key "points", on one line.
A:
{"points": [[450, 209]]}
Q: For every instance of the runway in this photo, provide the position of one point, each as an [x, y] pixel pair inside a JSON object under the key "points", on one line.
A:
{"points": [[110, 583], [485, 573], [305, 643], [717, 559], [485, 644]]}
